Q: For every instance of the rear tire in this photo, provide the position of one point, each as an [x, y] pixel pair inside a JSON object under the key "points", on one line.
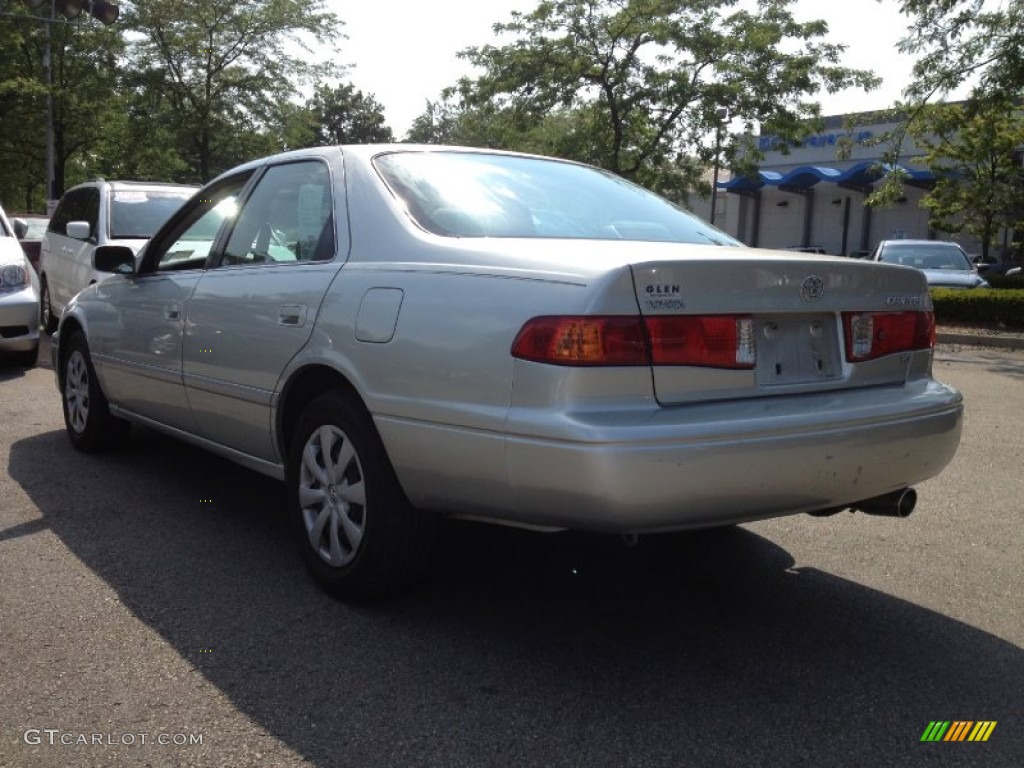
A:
{"points": [[87, 417], [357, 532]]}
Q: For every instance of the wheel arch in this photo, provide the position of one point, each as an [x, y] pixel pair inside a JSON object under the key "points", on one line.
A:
{"points": [[305, 385], [69, 327]]}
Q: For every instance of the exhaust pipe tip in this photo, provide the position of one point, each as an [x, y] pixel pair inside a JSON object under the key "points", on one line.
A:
{"points": [[896, 504]]}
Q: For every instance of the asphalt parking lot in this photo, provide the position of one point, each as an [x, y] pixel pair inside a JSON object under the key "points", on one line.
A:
{"points": [[152, 612]]}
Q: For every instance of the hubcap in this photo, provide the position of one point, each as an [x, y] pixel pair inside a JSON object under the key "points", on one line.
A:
{"points": [[76, 391], [332, 495]]}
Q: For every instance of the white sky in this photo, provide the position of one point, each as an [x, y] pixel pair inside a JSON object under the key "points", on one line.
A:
{"points": [[404, 51]]}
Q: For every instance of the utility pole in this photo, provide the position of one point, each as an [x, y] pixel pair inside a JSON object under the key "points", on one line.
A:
{"points": [[722, 116]]}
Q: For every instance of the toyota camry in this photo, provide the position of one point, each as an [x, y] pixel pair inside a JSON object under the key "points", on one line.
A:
{"points": [[401, 333]]}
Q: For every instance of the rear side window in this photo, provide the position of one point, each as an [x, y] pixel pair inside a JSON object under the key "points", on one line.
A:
{"points": [[76, 205], [287, 218]]}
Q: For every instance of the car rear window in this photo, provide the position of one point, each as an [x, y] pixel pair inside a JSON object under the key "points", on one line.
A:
{"points": [[138, 213], [469, 194]]}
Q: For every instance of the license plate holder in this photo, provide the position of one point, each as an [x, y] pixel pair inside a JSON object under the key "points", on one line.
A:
{"points": [[797, 349]]}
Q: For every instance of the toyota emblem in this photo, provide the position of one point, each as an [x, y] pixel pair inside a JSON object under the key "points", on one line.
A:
{"points": [[812, 288]]}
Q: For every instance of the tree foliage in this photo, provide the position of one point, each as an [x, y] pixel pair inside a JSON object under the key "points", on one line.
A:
{"points": [[345, 115], [957, 41], [86, 103], [224, 70], [974, 150], [635, 85]]}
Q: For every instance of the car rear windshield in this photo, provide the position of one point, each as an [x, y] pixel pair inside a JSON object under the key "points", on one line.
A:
{"points": [[470, 194], [138, 213], [924, 256]]}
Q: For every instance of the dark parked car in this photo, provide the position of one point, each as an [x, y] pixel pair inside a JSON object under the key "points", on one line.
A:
{"points": [[991, 266]]}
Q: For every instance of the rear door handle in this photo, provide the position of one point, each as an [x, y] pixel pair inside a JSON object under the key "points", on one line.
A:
{"points": [[173, 311]]}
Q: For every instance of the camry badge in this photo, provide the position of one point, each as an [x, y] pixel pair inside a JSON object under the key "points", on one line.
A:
{"points": [[812, 288]]}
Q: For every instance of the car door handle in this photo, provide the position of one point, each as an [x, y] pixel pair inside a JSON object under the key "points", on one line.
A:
{"points": [[293, 315], [172, 311]]}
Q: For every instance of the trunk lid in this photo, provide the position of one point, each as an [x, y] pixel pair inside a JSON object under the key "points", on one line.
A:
{"points": [[795, 306]]}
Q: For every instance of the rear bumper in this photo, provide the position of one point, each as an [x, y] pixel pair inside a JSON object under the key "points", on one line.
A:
{"points": [[691, 467]]}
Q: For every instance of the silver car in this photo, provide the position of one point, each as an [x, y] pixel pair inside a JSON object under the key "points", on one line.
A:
{"points": [[403, 332], [944, 263], [19, 298]]}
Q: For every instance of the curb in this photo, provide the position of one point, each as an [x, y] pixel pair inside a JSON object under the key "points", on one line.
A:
{"points": [[979, 340]]}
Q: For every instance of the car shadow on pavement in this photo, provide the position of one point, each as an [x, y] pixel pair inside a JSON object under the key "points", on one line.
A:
{"points": [[523, 648]]}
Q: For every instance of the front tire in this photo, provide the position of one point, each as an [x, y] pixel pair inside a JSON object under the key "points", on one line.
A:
{"points": [[87, 417], [46, 317], [358, 533]]}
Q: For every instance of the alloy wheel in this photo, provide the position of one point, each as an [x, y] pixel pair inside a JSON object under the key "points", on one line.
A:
{"points": [[332, 495], [76, 391]]}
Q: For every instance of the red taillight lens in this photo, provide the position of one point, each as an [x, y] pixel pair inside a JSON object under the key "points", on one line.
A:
{"points": [[583, 341], [720, 341], [870, 335]]}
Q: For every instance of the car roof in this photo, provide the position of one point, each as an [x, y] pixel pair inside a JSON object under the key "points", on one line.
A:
{"points": [[940, 243], [130, 184], [367, 151]]}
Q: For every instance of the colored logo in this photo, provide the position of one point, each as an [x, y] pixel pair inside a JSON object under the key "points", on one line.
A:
{"points": [[958, 730]]}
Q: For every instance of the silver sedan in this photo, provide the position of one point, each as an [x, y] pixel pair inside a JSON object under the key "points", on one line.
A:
{"points": [[403, 332]]}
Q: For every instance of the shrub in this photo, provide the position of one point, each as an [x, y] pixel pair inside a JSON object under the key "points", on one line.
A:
{"points": [[987, 306]]}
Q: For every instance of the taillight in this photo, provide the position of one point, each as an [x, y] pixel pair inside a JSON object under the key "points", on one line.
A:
{"points": [[720, 341], [870, 335], [583, 341]]}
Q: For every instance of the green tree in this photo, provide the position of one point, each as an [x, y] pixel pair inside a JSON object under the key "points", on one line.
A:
{"points": [[639, 82], [438, 123], [226, 70], [345, 115], [957, 41], [85, 59], [974, 149]]}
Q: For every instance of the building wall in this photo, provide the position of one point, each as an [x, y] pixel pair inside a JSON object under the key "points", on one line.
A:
{"points": [[782, 214]]}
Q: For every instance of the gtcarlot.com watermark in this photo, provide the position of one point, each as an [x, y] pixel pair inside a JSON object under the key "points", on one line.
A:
{"points": [[57, 737]]}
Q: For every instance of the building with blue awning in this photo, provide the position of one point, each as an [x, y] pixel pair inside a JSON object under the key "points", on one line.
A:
{"points": [[804, 196]]}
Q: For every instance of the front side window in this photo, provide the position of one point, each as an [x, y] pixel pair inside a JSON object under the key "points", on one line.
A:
{"points": [[287, 218], [474, 194], [188, 242]]}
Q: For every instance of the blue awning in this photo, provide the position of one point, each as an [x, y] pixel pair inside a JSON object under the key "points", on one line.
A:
{"points": [[862, 174]]}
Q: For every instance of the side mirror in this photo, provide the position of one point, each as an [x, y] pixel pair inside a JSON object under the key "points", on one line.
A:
{"points": [[80, 230], [20, 228], [119, 259]]}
